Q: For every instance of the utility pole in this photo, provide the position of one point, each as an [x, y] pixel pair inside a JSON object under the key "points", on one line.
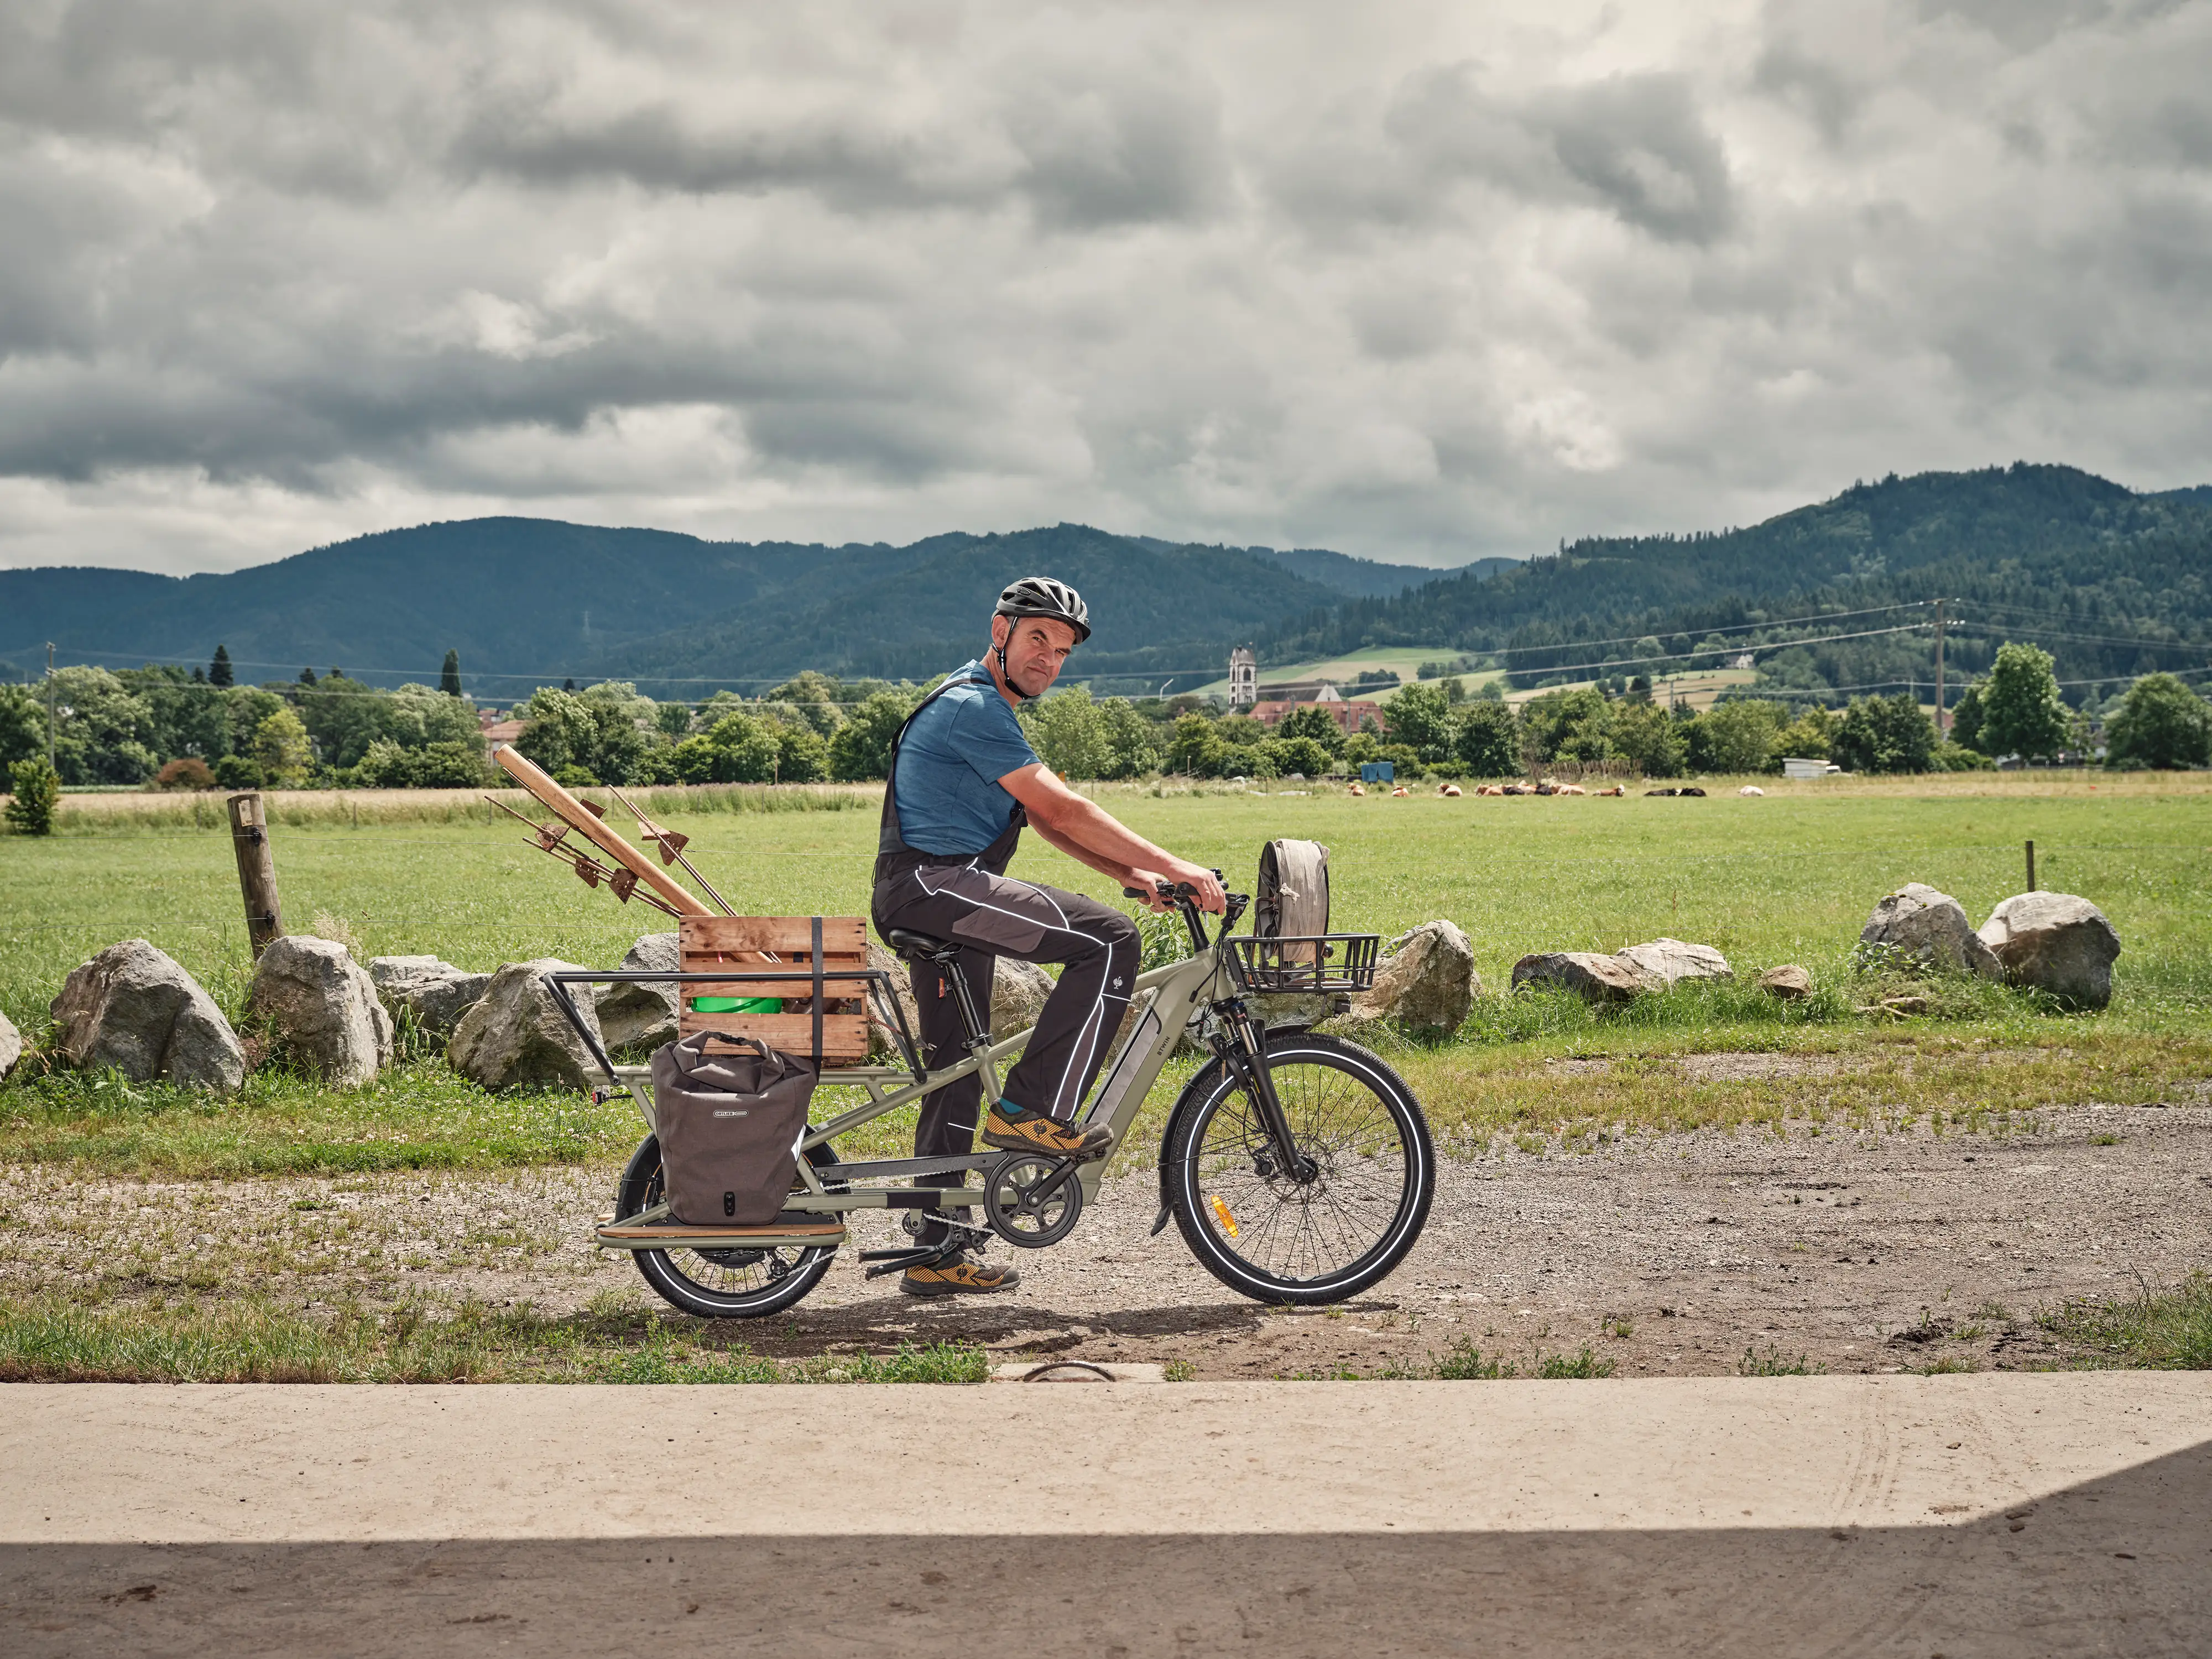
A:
{"points": [[1942, 720], [50, 706]]}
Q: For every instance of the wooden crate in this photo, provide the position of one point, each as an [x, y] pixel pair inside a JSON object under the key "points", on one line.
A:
{"points": [[746, 943]]}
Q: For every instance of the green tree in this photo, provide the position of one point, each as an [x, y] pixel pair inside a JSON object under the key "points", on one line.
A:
{"points": [[344, 717], [1489, 739], [801, 755], [283, 751], [2162, 723], [1809, 737], [674, 721], [1885, 734], [415, 717], [1421, 717], [744, 749], [1736, 736], [1562, 721], [104, 732], [1065, 730], [219, 671], [814, 698], [1195, 750], [1967, 718], [2021, 712], [861, 748], [1132, 748], [37, 786], [1650, 738], [1312, 719], [1303, 755], [449, 676], [22, 724]]}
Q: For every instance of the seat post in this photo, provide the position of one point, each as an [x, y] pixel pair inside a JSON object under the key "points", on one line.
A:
{"points": [[979, 1028]]}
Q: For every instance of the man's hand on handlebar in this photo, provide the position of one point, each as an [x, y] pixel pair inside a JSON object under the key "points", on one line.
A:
{"points": [[1160, 889]]}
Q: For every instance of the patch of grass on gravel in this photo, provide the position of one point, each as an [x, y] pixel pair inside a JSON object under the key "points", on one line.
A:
{"points": [[2163, 1330], [53, 1340], [1463, 1362], [1775, 1363]]}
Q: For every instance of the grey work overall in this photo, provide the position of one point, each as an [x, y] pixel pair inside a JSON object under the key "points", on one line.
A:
{"points": [[970, 900]]}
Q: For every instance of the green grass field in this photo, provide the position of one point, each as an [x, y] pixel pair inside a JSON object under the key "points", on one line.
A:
{"points": [[1787, 878]]}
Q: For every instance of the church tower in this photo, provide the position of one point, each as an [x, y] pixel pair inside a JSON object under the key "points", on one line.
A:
{"points": [[1244, 679]]}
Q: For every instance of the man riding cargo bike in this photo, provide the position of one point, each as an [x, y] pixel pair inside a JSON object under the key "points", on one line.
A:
{"points": [[963, 782], [1296, 1166]]}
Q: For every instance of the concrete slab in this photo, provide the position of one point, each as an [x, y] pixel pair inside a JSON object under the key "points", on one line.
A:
{"points": [[1952, 1515]]}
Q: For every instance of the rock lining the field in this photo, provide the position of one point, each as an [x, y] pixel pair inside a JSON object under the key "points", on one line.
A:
{"points": [[1590, 975], [1671, 961], [1788, 981], [2056, 941], [436, 993], [638, 1016], [133, 1008], [322, 1007], [516, 1035], [1425, 981], [1931, 926], [11, 1045]]}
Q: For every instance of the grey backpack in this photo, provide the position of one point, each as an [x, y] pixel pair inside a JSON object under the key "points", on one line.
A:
{"points": [[730, 1122]]}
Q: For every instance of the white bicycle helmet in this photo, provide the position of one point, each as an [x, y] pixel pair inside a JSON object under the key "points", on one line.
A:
{"points": [[1044, 596]]}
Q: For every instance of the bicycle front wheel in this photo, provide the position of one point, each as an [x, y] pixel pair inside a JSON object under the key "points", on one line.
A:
{"points": [[1344, 1215]]}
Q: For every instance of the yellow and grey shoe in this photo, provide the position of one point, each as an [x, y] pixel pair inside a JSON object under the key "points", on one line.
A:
{"points": [[1016, 1129], [959, 1277]]}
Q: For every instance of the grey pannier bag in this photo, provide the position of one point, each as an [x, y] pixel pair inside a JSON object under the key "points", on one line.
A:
{"points": [[730, 1125]]}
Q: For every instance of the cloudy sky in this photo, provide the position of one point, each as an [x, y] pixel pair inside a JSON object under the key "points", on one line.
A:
{"points": [[1416, 282]]}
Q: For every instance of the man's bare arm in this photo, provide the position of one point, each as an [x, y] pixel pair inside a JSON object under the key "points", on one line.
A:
{"points": [[1087, 832]]}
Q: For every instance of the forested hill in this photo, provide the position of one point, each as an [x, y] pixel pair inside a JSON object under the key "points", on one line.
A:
{"points": [[2085, 566], [531, 599]]}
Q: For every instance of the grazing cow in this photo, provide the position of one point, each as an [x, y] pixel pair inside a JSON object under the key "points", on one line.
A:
{"points": [[1570, 789], [1448, 791], [1359, 788], [1489, 789], [1517, 789], [1400, 790], [1617, 789], [1751, 789]]}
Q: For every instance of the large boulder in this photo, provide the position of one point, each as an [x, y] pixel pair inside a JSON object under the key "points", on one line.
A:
{"points": [[321, 1006], [436, 993], [11, 1045], [1426, 980], [516, 1035], [1590, 975], [1669, 962], [631, 1016], [1018, 992], [2056, 941], [1929, 927], [132, 1008]]}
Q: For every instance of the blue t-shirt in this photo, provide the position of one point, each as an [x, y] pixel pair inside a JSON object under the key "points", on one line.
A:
{"points": [[946, 783]]}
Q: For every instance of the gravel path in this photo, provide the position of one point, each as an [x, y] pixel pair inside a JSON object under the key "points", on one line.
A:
{"points": [[1666, 1254]]}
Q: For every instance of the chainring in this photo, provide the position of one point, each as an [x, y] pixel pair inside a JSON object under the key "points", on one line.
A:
{"points": [[1032, 1200]]}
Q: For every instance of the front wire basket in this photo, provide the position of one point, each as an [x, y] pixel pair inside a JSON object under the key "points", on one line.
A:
{"points": [[1309, 963]]}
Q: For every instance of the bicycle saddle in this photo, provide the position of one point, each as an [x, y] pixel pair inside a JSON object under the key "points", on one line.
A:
{"points": [[911, 944]]}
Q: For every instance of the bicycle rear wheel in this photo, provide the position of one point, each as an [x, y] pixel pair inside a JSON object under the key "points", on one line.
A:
{"points": [[717, 1284], [1338, 1222]]}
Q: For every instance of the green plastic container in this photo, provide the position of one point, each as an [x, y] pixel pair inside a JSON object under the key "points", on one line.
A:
{"points": [[737, 1005]]}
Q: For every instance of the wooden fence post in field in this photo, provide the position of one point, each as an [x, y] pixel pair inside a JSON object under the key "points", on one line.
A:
{"points": [[256, 871], [2031, 866]]}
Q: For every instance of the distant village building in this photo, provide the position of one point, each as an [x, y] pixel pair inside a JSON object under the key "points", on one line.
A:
{"points": [[1244, 679], [500, 733], [1348, 713]]}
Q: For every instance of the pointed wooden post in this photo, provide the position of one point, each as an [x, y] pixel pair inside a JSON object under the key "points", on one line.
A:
{"points": [[256, 871]]}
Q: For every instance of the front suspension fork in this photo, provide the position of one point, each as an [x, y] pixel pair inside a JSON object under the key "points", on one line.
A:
{"points": [[1243, 1049]]}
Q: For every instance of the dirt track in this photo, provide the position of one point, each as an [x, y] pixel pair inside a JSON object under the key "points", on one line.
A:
{"points": [[1666, 1254]]}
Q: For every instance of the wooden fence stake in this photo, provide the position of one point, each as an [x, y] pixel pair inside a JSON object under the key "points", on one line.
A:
{"points": [[2031, 866], [256, 871]]}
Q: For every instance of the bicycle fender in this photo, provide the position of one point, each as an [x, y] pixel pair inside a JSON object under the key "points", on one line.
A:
{"points": [[1201, 1080]]}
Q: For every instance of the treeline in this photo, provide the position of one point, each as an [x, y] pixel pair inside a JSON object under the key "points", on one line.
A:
{"points": [[196, 729]]}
